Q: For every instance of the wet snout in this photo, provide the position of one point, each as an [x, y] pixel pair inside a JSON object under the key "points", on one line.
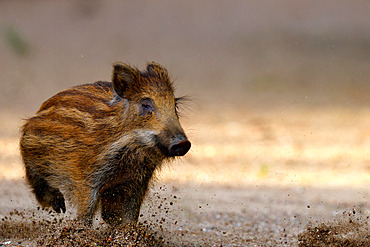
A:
{"points": [[179, 146]]}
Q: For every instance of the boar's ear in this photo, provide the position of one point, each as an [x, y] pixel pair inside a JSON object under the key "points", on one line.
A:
{"points": [[158, 70], [123, 77]]}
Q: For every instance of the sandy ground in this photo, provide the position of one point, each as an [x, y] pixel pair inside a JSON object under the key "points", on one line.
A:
{"points": [[279, 117]]}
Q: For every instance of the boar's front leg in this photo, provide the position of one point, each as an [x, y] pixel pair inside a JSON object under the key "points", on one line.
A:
{"points": [[121, 205], [87, 201]]}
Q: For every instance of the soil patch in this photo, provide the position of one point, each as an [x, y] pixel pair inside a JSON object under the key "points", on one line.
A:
{"points": [[351, 231]]}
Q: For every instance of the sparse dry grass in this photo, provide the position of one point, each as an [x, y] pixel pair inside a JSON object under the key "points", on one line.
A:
{"points": [[313, 147]]}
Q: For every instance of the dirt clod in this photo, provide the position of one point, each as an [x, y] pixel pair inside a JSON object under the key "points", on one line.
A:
{"points": [[74, 233], [340, 232]]}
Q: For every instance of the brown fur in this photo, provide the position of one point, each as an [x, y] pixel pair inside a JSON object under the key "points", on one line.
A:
{"points": [[101, 143]]}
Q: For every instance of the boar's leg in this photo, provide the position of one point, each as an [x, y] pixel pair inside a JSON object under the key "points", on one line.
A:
{"points": [[120, 205], [46, 195], [86, 199]]}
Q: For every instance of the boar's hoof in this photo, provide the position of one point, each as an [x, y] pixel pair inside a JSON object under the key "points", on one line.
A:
{"points": [[58, 203]]}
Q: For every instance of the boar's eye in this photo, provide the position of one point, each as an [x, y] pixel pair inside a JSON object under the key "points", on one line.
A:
{"points": [[147, 107]]}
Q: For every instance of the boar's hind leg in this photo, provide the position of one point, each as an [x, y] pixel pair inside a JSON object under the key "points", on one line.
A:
{"points": [[46, 195], [119, 207]]}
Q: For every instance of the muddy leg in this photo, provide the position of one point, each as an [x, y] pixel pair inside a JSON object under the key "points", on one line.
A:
{"points": [[46, 195], [86, 199], [118, 206]]}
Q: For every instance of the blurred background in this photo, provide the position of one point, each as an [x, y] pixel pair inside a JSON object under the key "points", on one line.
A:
{"points": [[280, 89]]}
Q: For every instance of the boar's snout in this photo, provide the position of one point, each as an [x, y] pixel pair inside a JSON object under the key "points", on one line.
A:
{"points": [[180, 146]]}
